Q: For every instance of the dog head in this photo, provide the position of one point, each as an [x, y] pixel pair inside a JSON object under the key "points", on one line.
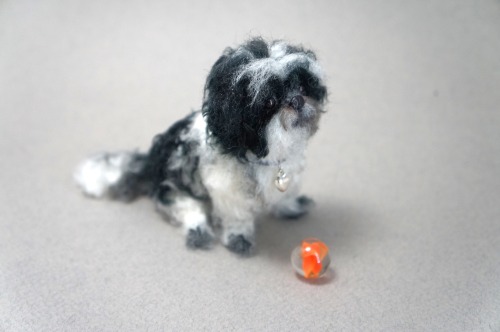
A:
{"points": [[261, 92]]}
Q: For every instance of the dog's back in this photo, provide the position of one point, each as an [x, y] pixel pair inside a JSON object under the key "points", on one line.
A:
{"points": [[171, 165]]}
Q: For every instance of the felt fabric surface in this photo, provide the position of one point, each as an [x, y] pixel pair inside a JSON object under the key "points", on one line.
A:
{"points": [[405, 169]]}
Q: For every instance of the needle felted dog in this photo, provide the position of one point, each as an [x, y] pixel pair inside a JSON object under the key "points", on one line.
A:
{"points": [[242, 155]]}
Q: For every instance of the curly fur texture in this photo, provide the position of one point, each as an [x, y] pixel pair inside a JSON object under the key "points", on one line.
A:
{"points": [[213, 172]]}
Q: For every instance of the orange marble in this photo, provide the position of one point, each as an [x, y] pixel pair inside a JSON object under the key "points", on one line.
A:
{"points": [[313, 253]]}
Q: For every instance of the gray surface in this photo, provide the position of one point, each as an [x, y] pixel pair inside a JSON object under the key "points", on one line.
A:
{"points": [[405, 168]]}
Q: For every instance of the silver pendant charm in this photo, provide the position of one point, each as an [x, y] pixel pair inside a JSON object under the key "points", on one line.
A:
{"points": [[282, 180]]}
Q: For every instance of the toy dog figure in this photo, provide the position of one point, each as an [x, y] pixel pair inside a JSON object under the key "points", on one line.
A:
{"points": [[242, 155]]}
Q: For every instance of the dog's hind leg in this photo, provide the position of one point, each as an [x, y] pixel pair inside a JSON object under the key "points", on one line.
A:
{"points": [[189, 213]]}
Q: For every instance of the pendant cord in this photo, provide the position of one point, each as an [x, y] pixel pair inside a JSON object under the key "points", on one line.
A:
{"points": [[267, 163]]}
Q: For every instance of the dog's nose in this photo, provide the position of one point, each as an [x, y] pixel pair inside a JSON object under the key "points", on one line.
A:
{"points": [[297, 102]]}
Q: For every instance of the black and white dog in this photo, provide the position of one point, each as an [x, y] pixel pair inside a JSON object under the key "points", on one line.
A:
{"points": [[242, 155]]}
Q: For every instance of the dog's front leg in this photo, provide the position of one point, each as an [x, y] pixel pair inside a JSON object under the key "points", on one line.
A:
{"points": [[235, 214], [234, 206]]}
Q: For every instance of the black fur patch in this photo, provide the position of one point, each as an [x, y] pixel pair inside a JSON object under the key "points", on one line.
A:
{"points": [[134, 182], [304, 204], [241, 245], [258, 47], [170, 149], [198, 239], [311, 86]]}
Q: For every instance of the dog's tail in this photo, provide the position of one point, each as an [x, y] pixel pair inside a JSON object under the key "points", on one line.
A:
{"points": [[119, 175]]}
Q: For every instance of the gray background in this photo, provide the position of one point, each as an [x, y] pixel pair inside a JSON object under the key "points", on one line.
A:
{"points": [[404, 170]]}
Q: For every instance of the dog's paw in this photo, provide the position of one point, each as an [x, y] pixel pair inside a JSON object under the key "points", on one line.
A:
{"points": [[199, 238], [294, 208], [241, 244]]}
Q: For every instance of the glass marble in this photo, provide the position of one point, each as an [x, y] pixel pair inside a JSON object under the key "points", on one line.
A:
{"points": [[311, 259]]}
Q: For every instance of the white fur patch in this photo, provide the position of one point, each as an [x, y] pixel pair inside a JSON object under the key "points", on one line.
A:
{"points": [[284, 141], [286, 150], [188, 212], [278, 64], [278, 49], [98, 173], [228, 184]]}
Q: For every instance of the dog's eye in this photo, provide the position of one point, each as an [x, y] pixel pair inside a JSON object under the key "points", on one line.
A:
{"points": [[270, 103]]}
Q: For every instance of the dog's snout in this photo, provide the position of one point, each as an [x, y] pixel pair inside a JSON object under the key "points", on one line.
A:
{"points": [[297, 102]]}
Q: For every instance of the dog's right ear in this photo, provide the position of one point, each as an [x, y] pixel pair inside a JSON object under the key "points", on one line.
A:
{"points": [[221, 74], [225, 101]]}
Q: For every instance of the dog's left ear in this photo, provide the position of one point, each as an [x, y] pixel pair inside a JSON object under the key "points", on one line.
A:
{"points": [[226, 104]]}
